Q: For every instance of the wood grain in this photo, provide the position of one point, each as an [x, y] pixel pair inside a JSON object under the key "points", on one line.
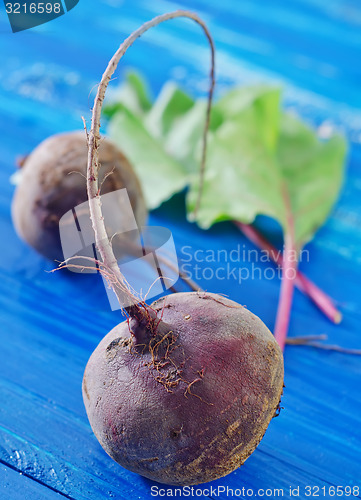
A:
{"points": [[50, 323]]}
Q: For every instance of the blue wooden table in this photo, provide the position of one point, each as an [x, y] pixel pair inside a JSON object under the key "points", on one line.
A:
{"points": [[50, 323]]}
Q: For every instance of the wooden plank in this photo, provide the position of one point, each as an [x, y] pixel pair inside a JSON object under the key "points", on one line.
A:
{"points": [[14, 484], [50, 323], [43, 414]]}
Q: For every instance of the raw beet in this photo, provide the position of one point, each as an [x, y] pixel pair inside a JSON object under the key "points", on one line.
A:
{"points": [[51, 185], [188, 401]]}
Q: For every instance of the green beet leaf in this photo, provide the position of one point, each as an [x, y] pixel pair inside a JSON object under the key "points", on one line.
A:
{"points": [[313, 174], [160, 174], [132, 94], [259, 159]]}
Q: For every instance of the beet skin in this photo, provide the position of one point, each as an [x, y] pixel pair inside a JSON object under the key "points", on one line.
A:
{"points": [[54, 181], [189, 402]]}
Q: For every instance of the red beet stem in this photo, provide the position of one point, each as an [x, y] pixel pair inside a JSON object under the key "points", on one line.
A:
{"points": [[304, 284], [289, 271]]}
